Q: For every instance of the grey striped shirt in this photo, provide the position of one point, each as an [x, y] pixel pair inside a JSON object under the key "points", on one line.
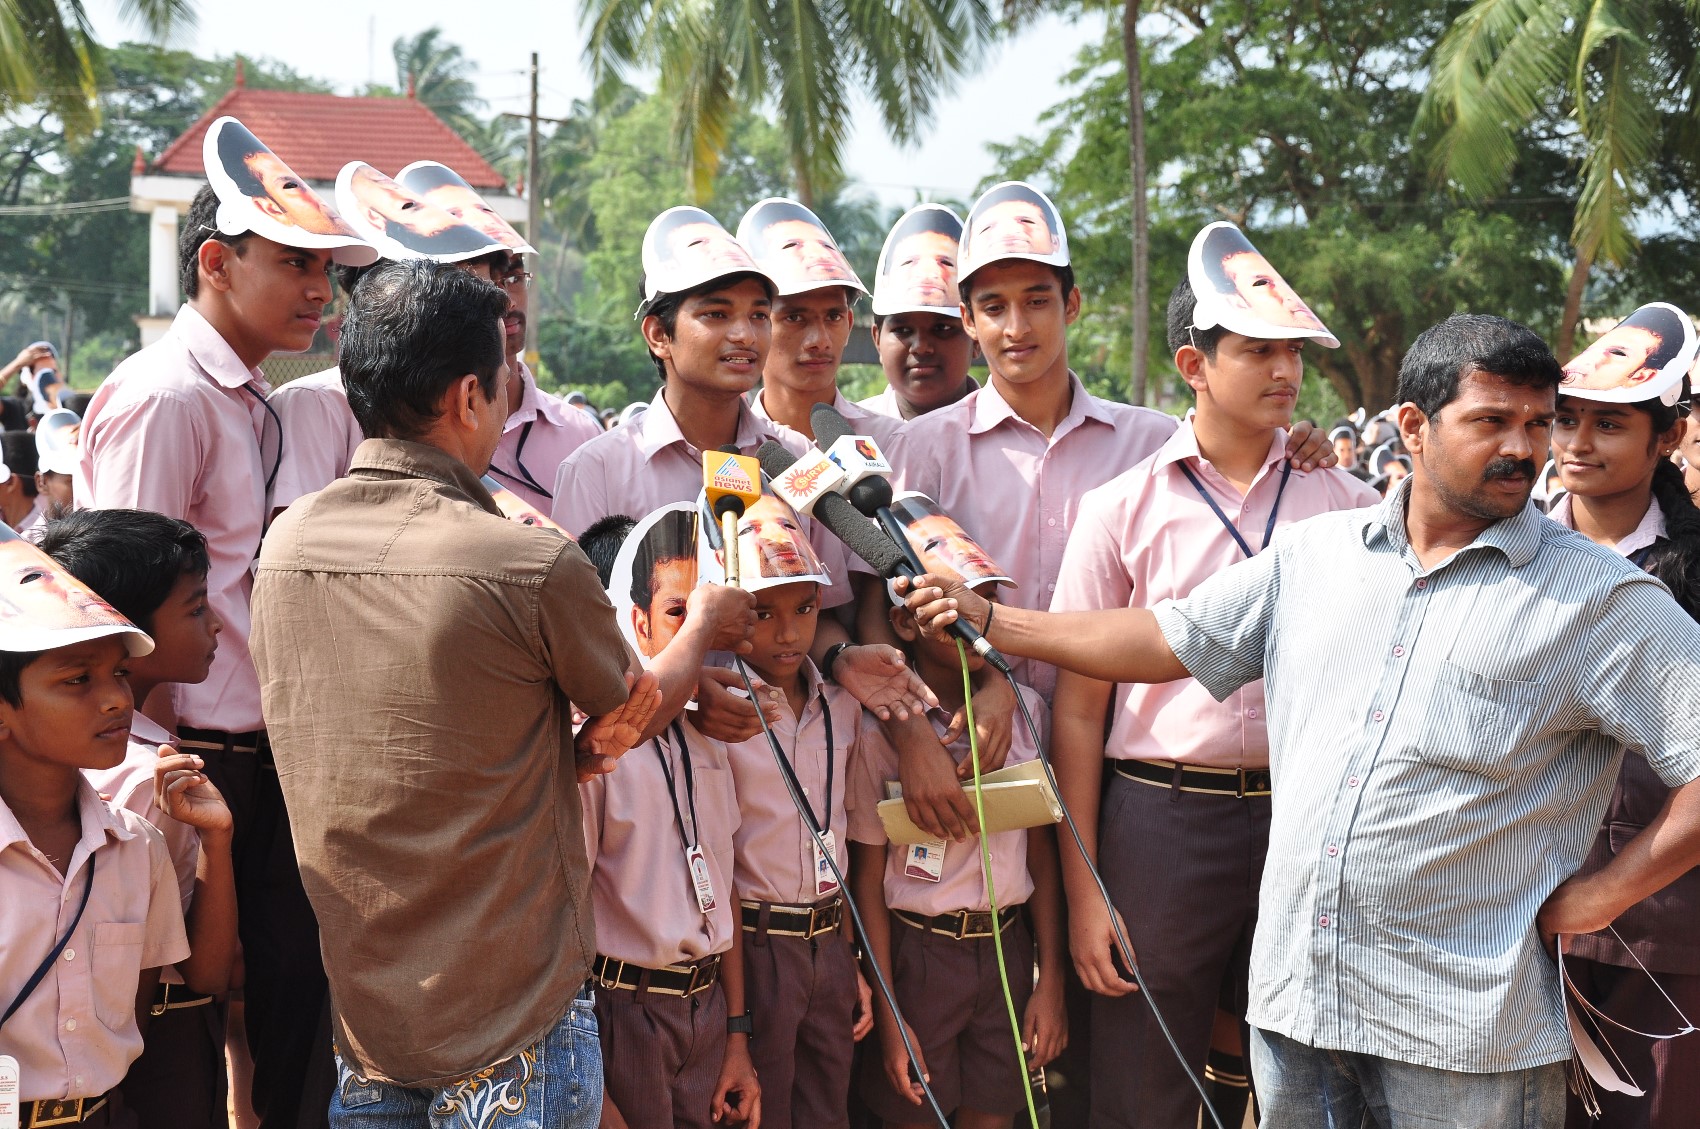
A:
{"points": [[1443, 743]]}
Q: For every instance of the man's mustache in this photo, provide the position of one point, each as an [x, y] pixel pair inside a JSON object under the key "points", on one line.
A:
{"points": [[1509, 468]]}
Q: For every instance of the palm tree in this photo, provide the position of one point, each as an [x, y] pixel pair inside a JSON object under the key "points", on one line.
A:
{"points": [[717, 57], [438, 73], [1622, 71], [48, 53]]}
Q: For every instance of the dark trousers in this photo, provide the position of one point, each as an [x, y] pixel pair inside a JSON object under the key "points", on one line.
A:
{"points": [[661, 1055], [286, 998], [802, 994], [179, 1082], [1668, 1069], [1183, 868]]}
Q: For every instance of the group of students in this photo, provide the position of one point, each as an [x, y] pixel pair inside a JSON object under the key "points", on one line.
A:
{"points": [[727, 982]]}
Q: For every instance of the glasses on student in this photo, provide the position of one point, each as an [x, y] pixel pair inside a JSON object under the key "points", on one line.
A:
{"points": [[514, 278]]}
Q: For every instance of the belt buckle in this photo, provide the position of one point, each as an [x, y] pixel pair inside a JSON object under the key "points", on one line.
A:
{"points": [[609, 977], [819, 921], [1239, 791], [68, 1112], [962, 926]]}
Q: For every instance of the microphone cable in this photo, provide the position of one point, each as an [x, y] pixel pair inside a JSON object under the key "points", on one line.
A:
{"points": [[800, 802]]}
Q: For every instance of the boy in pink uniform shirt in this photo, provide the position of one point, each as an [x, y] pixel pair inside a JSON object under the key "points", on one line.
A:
{"points": [[936, 946], [658, 834], [1185, 815], [153, 570]]}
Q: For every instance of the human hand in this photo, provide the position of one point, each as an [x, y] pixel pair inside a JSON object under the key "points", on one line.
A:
{"points": [[994, 727], [1092, 944], [932, 792], [1308, 447], [1576, 906], [725, 715], [864, 1017], [737, 1096], [603, 740], [896, 1062], [182, 791], [728, 613], [1044, 1025], [878, 676], [939, 600]]}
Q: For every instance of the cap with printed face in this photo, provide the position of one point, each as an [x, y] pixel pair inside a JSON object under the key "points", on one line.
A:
{"points": [[258, 193], [917, 267], [772, 547], [686, 247], [1012, 220], [1234, 287], [1643, 357], [43, 607], [56, 442], [438, 184], [653, 576], [401, 224], [943, 546], [794, 248]]}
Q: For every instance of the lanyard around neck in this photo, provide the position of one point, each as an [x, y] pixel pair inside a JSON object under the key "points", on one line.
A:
{"points": [[672, 790], [524, 477], [1274, 511], [825, 821]]}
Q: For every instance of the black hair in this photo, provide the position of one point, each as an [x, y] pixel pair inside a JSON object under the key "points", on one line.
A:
{"points": [[1442, 355], [131, 558], [602, 541], [348, 277], [1667, 326], [666, 306], [1675, 559], [1182, 304], [674, 528], [15, 413], [12, 665], [200, 225], [412, 330], [1065, 280], [78, 402], [235, 146], [21, 457]]}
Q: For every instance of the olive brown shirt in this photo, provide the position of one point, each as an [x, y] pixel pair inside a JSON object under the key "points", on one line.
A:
{"points": [[418, 655]]}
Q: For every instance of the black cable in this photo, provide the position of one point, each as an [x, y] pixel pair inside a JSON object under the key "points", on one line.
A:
{"points": [[1103, 892], [802, 805]]}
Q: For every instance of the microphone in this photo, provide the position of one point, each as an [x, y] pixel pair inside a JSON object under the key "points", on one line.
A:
{"points": [[731, 483], [809, 479], [887, 553]]}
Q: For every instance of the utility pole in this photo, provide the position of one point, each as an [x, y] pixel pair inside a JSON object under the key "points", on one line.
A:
{"points": [[533, 204]]}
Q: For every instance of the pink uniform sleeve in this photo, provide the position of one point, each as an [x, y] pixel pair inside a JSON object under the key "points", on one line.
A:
{"points": [[872, 761], [1092, 575], [593, 794], [315, 442], [165, 941], [581, 494], [145, 456]]}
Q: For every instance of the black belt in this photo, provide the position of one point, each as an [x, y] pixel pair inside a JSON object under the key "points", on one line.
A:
{"points": [[1237, 782], [253, 743], [62, 1111], [674, 980], [170, 997], [962, 924], [793, 921]]}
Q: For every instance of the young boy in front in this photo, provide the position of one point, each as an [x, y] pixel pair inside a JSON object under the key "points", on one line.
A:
{"points": [[936, 947], [153, 570], [91, 904]]}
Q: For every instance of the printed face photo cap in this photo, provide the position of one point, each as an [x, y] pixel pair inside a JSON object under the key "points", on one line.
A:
{"points": [[258, 193], [57, 439], [793, 247], [43, 607], [686, 247], [917, 268], [942, 544], [1643, 357], [1237, 289], [1011, 220], [438, 184], [400, 224], [652, 578], [773, 549]]}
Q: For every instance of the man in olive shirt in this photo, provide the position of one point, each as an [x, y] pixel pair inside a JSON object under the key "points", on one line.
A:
{"points": [[419, 657]]}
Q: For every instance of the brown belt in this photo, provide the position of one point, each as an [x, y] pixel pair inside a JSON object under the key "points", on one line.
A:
{"points": [[674, 980], [962, 924], [1237, 782], [63, 1111], [794, 921], [170, 997]]}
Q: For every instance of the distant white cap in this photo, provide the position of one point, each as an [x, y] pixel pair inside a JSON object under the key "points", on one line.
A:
{"points": [[258, 193], [917, 269], [56, 442], [793, 247], [686, 247], [1643, 357], [1012, 220], [401, 224], [1236, 288]]}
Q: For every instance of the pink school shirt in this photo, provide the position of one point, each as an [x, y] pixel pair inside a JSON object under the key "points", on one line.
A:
{"points": [[130, 786], [885, 404], [1017, 492], [641, 891], [542, 430], [774, 851], [880, 428], [962, 883], [320, 435], [1650, 529], [643, 465], [177, 428], [75, 1036], [1147, 536]]}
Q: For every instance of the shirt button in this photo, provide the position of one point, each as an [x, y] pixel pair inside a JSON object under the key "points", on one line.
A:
{"points": [[1398, 652], [1323, 921], [1351, 782], [1050, 521], [1422, 584], [70, 954], [1333, 850], [70, 1025], [1378, 715], [1251, 713]]}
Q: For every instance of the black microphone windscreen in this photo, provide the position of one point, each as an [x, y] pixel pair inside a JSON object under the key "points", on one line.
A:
{"points": [[872, 494], [828, 425], [729, 449], [841, 519], [775, 460]]}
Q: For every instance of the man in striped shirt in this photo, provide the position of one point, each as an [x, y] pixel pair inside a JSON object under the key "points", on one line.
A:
{"points": [[1452, 681]]}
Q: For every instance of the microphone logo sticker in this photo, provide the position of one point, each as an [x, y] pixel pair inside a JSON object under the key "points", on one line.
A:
{"points": [[866, 448], [733, 478]]}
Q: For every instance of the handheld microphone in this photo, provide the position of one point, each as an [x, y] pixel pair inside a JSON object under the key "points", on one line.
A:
{"points": [[810, 478], [888, 554], [732, 483]]}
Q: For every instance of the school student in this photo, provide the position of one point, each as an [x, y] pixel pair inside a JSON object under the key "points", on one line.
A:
{"points": [[930, 931], [153, 570], [917, 328], [92, 910]]}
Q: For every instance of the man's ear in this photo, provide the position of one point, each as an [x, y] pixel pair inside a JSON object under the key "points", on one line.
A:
{"points": [[1413, 427], [968, 323], [213, 260], [902, 623], [464, 397], [1071, 306], [655, 336], [1189, 360]]}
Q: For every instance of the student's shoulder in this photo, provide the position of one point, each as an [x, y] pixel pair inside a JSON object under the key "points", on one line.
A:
{"points": [[1346, 490], [321, 386], [162, 369], [607, 448]]}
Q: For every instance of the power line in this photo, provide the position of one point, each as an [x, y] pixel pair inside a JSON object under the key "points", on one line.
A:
{"points": [[69, 208]]}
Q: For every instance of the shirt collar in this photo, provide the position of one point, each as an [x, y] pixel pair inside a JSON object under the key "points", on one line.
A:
{"points": [[1183, 444], [989, 409], [1518, 537], [96, 816], [657, 428], [406, 459], [1651, 528], [213, 353]]}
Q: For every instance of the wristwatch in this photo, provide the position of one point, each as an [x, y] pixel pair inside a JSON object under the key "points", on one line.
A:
{"points": [[830, 659], [740, 1024]]}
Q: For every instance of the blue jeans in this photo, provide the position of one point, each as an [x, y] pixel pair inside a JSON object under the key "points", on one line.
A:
{"points": [[1301, 1087], [556, 1083]]}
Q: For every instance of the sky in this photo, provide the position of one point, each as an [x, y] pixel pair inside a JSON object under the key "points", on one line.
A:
{"points": [[1003, 101]]}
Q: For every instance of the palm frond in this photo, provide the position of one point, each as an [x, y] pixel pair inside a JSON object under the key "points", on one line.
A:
{"points": [[1620, 122]]}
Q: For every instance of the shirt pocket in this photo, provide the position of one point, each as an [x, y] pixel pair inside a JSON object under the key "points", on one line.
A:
{"points": [[1475, 723], [117, 971]]}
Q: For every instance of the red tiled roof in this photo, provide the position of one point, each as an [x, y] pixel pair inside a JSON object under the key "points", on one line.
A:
{"points": [[317, 134]]}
